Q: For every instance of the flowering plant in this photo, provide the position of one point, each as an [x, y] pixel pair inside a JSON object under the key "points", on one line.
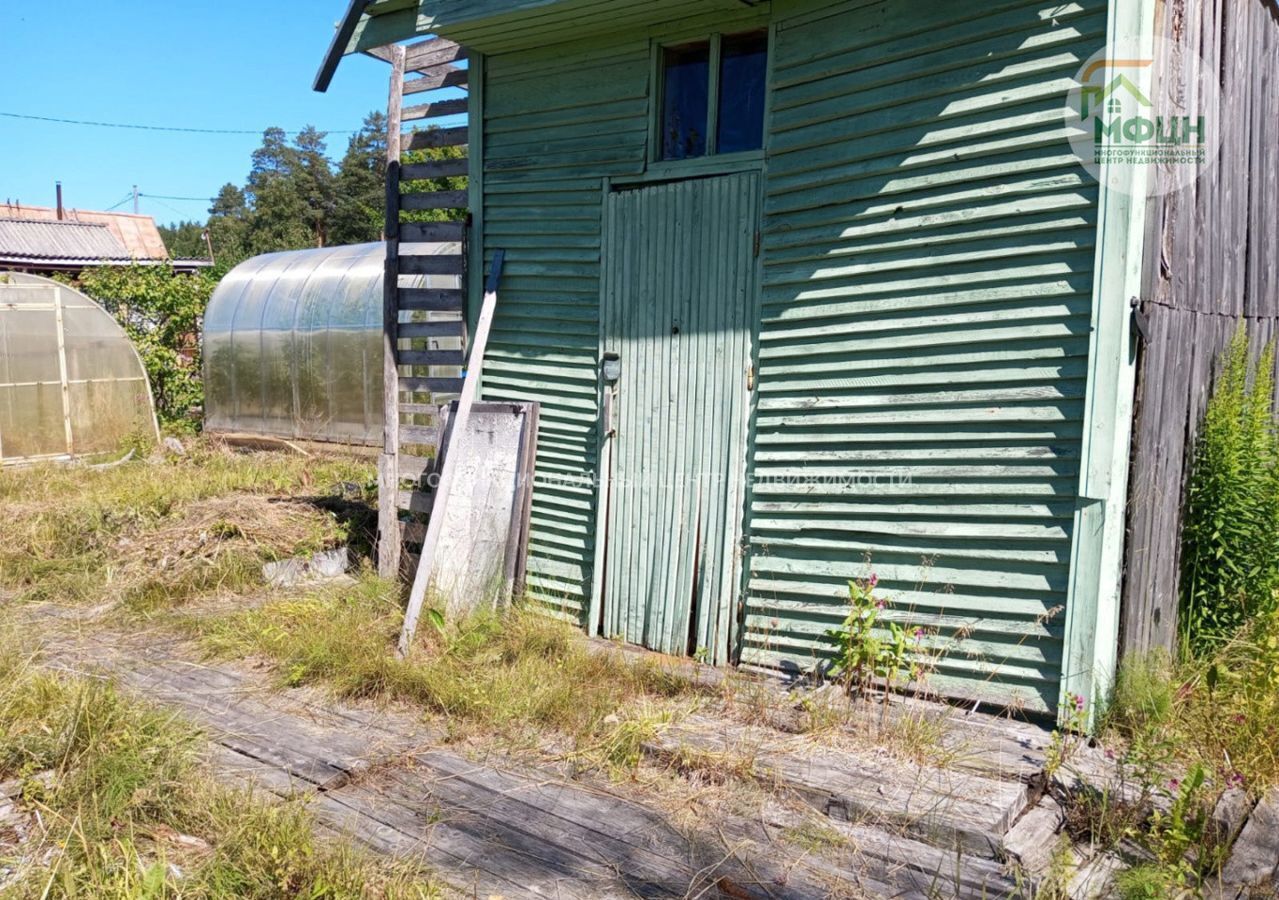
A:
{"points": [[866, 648]]}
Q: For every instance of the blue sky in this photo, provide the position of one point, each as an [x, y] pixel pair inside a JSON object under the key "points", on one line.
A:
{"points": [[228, 64]]}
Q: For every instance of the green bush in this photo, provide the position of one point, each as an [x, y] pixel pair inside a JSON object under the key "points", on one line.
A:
{"points": [[1230, 554], [162, 311]]}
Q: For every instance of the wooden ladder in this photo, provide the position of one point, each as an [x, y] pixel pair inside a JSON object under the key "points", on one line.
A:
{"points": [[424, 329]]}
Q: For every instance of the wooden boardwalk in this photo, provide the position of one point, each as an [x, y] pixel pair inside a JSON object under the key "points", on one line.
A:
{"points": [[507, 827]]}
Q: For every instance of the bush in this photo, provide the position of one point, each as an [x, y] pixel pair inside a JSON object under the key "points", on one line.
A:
{"points": [[1230, 555], [162, 311]]}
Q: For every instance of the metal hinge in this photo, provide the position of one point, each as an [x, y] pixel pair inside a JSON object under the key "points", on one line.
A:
{"points": [[757, 245], [750, 377]]}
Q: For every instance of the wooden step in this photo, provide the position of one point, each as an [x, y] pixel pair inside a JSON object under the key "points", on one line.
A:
{"points": [[436, 264], [419, 409], [435, 81], [434, 52], [430, 299], [430, 358], [429, 233], [431, 138], [411, 330], [435, 110], [414, 501], [430, 385], [435, 200]]}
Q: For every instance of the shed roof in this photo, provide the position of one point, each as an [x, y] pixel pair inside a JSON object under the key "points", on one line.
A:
{"points": [[138, 234], [26, 240]]}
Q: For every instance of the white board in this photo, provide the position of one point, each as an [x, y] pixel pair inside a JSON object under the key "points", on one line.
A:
{"points": [[482, 544]]}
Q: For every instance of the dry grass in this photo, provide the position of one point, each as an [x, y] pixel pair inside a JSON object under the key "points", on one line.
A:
{"points": [[154, 533]]}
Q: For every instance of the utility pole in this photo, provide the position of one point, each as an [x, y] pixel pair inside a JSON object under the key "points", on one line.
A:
{"points": [[135, 199]]}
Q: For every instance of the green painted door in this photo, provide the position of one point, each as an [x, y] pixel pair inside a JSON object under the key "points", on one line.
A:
{"points": [[678, 310]]}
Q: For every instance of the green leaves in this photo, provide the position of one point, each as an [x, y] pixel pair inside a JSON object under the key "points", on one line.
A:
{"points": [[161, 311], [1230, 538]]}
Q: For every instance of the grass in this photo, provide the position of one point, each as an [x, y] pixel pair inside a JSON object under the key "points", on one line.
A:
{"points": [[516, 673], [120, 807], [154, 533]]}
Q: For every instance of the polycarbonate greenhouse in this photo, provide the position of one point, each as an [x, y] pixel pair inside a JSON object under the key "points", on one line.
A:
{"points": [[293, 344], [71, 383]]}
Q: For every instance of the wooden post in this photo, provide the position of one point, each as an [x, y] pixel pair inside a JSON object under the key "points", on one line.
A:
{"points": [[62, 371], [388, 516], [457, 429]]}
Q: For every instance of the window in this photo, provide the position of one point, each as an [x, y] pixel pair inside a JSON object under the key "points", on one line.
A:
{"points": [[713, 96]]}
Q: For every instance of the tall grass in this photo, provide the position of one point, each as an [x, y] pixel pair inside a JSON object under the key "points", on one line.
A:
{"points": [[514, 672], [1230, 538]]}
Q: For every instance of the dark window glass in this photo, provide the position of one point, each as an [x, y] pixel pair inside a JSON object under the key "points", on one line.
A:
{"points": [[686, 79], [743, 65]]}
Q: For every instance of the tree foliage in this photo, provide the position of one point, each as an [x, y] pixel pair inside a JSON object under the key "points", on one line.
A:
{"points": [[161, 310]]}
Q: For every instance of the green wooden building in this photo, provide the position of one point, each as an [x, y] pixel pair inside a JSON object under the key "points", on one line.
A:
{"points": [[807, 290]]}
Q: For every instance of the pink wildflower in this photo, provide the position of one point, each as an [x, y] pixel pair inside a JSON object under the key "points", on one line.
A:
{"points": [[1174, 783], [874, 579]]}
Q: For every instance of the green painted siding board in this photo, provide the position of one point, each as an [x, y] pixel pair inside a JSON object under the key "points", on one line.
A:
{"points": [[928, 249]]}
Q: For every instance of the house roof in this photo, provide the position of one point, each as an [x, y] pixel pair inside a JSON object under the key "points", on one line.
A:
{"points": [[138, 234], [66, 243]]}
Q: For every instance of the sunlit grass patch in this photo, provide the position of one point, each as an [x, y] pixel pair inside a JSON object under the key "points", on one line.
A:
{"points": [[514, 671], [153, 533]]}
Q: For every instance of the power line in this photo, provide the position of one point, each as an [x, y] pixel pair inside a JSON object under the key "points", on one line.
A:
{"points": [[127, 197], [171, 128], [167, 197]]}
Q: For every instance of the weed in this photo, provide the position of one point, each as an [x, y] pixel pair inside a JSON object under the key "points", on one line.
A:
{"points": [[1231, 533]]}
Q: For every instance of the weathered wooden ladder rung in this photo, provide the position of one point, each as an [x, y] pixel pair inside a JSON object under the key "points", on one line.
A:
{"points": [[424, 328]]}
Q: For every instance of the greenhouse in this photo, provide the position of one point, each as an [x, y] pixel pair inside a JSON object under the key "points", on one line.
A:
{"points": [[71, 383], [293, 344]]}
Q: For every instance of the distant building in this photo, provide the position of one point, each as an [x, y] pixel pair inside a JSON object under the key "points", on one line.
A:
{"points": [[45, 240]]}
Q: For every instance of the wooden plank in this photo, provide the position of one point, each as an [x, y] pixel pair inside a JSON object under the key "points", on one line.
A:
{"points": [[432, 329], [436, 52], [440, 385], [434, 200], [388, 479], [436, 168], [433, 138], [419, 409], [439, 109], [435, 81], [430, 299], [428, 232], [423, 435], [435, 264], [458, 423], [431, 358]]}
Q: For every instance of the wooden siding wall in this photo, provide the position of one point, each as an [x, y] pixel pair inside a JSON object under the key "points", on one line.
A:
{"points": [[558, 121], [928, 253], [1213, 260], [928, 250]]}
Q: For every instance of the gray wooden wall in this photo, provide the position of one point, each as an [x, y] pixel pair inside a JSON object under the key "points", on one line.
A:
{"points": [[1212, 258]]}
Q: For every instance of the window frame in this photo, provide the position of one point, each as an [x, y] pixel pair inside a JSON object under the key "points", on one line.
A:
{"points": [[712, 159]]}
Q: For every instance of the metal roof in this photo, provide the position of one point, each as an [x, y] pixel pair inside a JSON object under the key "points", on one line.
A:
{"points": [[26, 239], [137, 233]]}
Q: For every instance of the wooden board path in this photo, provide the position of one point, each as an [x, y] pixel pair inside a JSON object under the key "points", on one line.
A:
{"points": [[500, 826]]}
